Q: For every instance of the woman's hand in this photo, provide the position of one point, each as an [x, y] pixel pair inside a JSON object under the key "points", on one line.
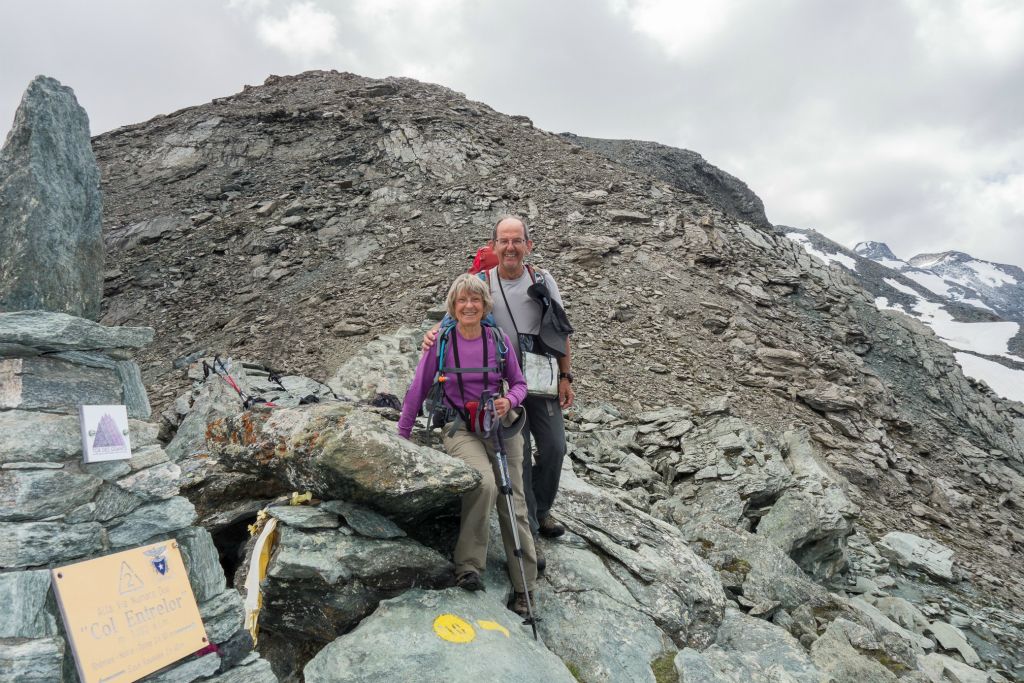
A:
{"points": [[502, 406]]}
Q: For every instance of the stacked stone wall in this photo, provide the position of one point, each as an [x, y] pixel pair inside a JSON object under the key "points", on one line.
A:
{"points": [[56, 509]]}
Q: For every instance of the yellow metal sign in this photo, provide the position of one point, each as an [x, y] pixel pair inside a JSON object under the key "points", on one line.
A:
{"points": [[130, 613]]}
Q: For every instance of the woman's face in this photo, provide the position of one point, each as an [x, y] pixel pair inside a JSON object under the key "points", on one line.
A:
{"points": [[469, 308]]}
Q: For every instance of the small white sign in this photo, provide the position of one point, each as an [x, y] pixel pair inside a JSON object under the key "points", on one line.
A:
{"points": [[104, 433]]}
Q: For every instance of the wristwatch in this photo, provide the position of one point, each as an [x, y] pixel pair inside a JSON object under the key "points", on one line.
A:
{"points": [[565, 375]]}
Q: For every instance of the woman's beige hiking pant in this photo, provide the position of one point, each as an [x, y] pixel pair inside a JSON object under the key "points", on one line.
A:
{"points": [[474, 528]]}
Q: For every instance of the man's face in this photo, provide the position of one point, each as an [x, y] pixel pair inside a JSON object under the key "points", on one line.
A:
{"points": [[510, 247]]}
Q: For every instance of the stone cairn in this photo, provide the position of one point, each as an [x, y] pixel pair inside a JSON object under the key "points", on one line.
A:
{"points": [[54, 508]]}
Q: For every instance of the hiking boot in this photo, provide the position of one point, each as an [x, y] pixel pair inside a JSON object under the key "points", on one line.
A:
{"points": [[542, 563], [469, 581], [549, 528], [519, 604]]}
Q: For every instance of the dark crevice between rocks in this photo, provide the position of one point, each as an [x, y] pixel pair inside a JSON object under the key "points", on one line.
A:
{"points": [[231, 542]]}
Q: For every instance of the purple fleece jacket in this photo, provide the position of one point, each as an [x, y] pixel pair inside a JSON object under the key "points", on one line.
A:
{"points": [[470, 356]]}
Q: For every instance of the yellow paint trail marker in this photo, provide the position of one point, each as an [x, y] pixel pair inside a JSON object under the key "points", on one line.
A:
{"points": [[493, 626], [454, 629]]}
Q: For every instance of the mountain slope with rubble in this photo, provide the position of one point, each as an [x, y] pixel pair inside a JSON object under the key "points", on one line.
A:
{"points": [[294, 221]]}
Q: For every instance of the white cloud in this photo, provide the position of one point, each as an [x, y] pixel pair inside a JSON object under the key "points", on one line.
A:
{"points": [[970, 30], [679, 27], [303, 33]]}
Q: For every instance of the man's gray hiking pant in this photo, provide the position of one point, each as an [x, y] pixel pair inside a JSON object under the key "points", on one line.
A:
{"points": [[546, 427]]}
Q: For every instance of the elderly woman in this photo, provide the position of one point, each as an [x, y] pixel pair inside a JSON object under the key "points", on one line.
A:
{"points": [[474, 347]]}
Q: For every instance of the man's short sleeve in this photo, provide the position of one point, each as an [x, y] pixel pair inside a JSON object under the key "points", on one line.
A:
{"points": [[553, 288]]}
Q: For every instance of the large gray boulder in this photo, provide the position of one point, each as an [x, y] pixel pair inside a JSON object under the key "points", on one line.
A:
{"points": [[748, 649], [650, 558], [838, 653], [755, 568], [812, 519], [337, 450], [322, 581], [385, 366], [403, 640], [51, 256], [591, 620]]}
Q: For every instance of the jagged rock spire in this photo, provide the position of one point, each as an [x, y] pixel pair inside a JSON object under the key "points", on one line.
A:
{"points": [[51, 246]]}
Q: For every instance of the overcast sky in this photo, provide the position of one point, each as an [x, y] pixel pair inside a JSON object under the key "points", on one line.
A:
{"points": [[893, 120]]}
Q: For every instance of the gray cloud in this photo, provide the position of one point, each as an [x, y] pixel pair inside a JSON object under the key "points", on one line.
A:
{"points": [[896, 121]]}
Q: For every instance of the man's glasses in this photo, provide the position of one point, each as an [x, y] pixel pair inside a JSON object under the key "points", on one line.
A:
{"points": [[517, 242]]}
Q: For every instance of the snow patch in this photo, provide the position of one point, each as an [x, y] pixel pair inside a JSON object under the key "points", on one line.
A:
{"points": [[930, 282], [889, 263], [1006, 382], [841, 259], [990, 339], [977, 303], [990, 274]]}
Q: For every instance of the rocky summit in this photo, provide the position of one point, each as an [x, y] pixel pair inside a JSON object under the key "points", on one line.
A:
{"points": [[768, 478]]}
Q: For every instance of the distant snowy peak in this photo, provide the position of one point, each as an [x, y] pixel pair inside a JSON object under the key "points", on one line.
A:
{"points": [[928, 261], [964, 269], [975, 306], [876, 251]]}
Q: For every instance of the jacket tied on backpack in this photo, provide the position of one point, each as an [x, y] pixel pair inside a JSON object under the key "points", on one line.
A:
{"points": [[455, 372]]}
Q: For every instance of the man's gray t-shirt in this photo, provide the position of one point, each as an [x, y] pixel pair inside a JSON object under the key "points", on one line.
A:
{"points": [[526, 311]]}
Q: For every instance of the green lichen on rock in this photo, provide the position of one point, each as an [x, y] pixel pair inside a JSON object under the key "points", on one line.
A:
{"points": [[664, 668]]}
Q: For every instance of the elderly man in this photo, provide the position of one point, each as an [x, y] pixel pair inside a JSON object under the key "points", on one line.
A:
{"points": [[519, 316]]}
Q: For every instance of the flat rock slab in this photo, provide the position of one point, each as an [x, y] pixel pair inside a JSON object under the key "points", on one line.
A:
{"points": [[152, 519], [591, 621], [764, 572], [33, 544], [951, 638], [302, 517], [205, 573], [42, 383], [650, 558], [50, 207], [49, 331], [457, 637], [31, 661], [30, 436], [35, 494], [337, 450], [942, 668], [364, 522], [908, 550]]}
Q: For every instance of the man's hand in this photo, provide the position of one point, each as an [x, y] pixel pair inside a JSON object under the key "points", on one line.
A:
{"points": [[565, 394], [430, 337]]}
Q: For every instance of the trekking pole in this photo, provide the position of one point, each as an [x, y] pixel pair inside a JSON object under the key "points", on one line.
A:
{"points": [[492, 425]]}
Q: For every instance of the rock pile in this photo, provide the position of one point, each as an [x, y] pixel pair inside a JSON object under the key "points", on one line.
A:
{"points": [[764, 543]]}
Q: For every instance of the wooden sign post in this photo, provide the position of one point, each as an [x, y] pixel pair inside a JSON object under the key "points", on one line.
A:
{"points": [[130, 613]]}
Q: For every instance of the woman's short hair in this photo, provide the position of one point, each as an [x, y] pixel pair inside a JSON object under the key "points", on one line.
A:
{"points": [[469, 284]]}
